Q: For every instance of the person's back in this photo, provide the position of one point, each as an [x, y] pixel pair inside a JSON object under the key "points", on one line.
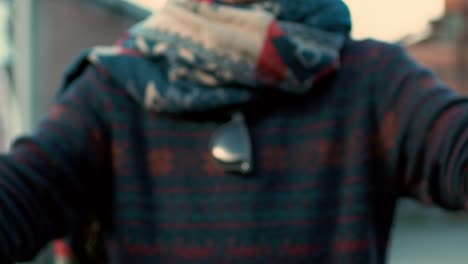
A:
{"points": [[318, 180]]}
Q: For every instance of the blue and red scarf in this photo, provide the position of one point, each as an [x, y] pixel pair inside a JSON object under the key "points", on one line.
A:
{"points": [[198, 56]]}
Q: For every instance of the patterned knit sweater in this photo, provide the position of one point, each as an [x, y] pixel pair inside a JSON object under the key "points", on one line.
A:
{"points": [[328, 169]]}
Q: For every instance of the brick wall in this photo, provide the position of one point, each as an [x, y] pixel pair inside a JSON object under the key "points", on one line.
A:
{"points": [[453, 5]]}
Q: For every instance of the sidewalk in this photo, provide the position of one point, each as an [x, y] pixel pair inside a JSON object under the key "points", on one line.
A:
{"points": [[429, 236]]}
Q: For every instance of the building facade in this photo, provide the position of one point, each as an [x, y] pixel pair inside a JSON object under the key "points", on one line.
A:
{"points": [[445, 50]]}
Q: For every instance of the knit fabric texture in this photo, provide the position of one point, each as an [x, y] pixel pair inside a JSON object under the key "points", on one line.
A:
{"points": [[329, 168], [192, 56]]}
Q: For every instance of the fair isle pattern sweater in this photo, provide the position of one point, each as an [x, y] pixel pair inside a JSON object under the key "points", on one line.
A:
{"points": [[329, 167]]}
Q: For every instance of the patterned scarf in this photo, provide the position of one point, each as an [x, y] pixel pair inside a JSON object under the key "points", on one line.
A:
{"points": [[195, 56]]}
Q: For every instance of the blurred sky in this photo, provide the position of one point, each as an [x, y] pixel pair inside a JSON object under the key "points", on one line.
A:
{"points": [[393, 19], [383, 19]]}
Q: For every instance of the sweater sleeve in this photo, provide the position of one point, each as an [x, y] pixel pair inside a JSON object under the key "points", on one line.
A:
{"points": [[49, 180], [423, 126]]}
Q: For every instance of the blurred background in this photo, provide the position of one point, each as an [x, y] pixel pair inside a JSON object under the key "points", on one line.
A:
{"points": [[40, 38]]}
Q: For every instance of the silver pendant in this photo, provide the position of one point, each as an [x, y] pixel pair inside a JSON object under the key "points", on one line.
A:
{"points": [[231, 146]]}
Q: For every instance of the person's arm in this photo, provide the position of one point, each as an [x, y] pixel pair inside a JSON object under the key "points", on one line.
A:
{"points": [[424, 130], [49, 181]]}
